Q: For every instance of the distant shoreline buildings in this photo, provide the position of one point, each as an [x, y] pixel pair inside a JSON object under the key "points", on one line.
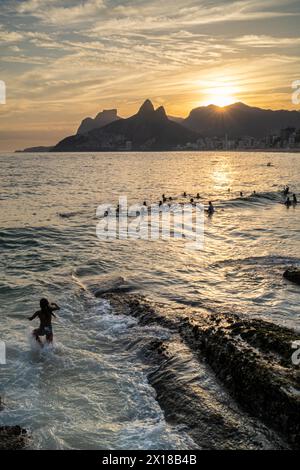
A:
{"points": [[287, 139]]}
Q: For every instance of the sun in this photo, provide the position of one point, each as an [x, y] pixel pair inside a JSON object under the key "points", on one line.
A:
{"points": [[222, 95]]}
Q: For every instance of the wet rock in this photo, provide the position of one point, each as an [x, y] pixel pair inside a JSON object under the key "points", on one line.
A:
{"points": [[103, 284], [138, 307], [206, 416], [203, 415], [12, 437], [293, 275], [253, 359]]}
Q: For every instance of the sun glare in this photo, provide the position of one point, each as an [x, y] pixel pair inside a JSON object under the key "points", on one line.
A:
{"points": [[221, 95]]}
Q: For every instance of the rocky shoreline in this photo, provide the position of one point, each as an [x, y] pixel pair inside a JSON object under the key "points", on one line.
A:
{"points": [[226, 380], [292, 275], [251, 359], [12, 438]]}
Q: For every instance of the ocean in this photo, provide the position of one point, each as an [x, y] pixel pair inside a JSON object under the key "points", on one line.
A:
{"points": [[90, 391]]}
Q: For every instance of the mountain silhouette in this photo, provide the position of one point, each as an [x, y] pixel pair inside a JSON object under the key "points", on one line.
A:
{"points": [[238, 120], [102, 119], [148, 129], [152, 129]]}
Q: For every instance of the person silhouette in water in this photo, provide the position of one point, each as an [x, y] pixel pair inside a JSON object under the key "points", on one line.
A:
{"points": [[45, 315], [211, 208], [288, 202]]}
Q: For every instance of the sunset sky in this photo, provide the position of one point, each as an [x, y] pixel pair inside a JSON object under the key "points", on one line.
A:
{"points": [[65, 60]]}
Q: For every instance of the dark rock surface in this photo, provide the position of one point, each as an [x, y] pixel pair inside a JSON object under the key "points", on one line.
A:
{"points": [[293, 275], [189, 394], [251, 358], [12, 438]]}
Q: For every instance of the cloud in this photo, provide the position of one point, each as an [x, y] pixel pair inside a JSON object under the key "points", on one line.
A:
{"points": [[54, 12], [144, 18], [31, 6], [23, 59], [14, 48], [267, 41], [7, 37], [152, 14], [67, 59]]}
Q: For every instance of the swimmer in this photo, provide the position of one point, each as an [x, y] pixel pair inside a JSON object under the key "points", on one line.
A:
{"points": [[295, 200], [45, 315], [241, 194], [184, 194], [198, 196], [288, 202], [211, 208], [286, 190]]}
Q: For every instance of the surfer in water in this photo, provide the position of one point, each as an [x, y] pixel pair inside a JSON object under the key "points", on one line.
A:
{"points": [[45, 315]]}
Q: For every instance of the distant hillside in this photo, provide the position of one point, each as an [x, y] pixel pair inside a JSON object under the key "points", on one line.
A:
{"points": [[102, 119], [40, 149], [238, 120], [152, 129], [177, 119], [149, 129]]}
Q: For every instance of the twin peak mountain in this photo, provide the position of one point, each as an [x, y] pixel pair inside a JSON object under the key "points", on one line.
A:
{"points": [[149, 129], [152, 129]]}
